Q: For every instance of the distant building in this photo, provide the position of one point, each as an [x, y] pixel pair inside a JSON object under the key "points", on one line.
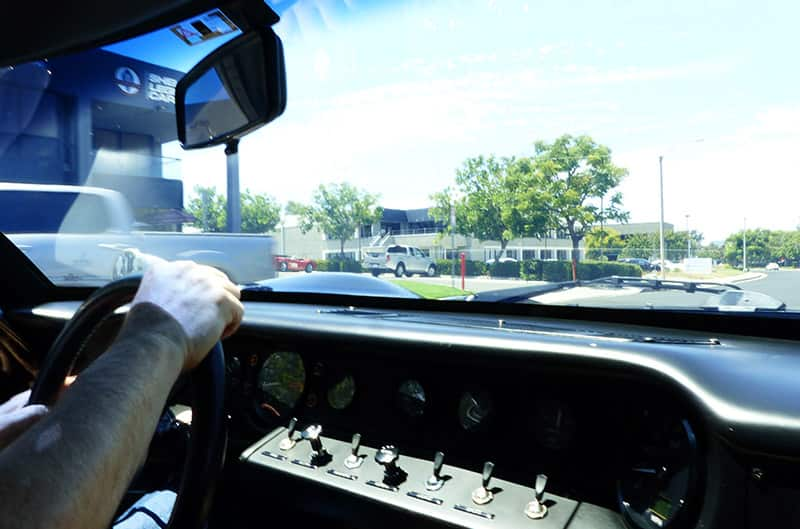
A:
{"points": [[639, 227], [415, 227]]}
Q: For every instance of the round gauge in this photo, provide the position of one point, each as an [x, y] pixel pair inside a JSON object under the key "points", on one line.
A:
{"points": [[660, 475], [554, 424], [473, 409], [411, 398], [281, 381], [341, 394]]}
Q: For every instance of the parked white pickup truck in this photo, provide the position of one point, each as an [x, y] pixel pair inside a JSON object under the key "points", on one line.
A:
{"points": [[85, 235], [400, 260]]}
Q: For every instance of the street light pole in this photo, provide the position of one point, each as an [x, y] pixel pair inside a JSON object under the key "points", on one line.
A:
{"points": [[688, 240], [661, 221]]}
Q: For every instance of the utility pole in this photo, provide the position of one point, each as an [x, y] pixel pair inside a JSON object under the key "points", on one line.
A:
{"points": [[602, 229], [688, 240], [661, 221], [744, 246]]}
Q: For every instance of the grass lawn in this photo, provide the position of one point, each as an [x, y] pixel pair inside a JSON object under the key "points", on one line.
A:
{"points": [[429, 291]]}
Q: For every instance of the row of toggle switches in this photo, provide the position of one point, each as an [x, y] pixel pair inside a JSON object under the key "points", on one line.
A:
{"points": [[388, 455]]}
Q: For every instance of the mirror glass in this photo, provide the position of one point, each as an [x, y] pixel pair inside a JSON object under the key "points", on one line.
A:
{"points": [[210, 110], [233, 91]]}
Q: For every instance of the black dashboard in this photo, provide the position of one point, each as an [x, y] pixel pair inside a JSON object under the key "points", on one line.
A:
{"points": [[632, 426]]}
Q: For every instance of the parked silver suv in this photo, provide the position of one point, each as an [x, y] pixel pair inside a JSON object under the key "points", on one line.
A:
{"points": [[401, 260]]}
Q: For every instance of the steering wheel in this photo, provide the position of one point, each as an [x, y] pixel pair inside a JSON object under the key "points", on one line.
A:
{"points": [[206, 449]]}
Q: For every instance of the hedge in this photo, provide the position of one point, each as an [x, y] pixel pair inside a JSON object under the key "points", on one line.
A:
{"points": [[535, 270], [339, 265], [474, 268]]}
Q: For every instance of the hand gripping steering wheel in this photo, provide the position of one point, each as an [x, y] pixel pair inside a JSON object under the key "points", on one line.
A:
{"points": [[206, 449]]}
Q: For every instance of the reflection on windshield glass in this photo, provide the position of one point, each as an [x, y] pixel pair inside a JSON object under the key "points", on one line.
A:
{"points": [[447, 149]]}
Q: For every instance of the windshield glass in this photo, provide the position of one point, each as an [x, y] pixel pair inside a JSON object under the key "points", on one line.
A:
{"points": [[448, 148]]}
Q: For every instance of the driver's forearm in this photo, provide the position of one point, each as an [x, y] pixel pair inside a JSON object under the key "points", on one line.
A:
{"points": [[73, 467]]}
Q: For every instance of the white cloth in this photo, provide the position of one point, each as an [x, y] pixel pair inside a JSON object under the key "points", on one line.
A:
{"points": [[159, 503]]}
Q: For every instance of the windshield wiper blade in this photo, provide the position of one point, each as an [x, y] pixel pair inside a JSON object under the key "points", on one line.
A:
{"points": [[517, 294]]}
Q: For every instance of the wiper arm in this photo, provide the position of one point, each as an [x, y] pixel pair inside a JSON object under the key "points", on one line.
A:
{"points": [[517, 294]]}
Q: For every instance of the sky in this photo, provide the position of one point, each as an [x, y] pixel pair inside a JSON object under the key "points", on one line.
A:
{"points": [[394, 96]]}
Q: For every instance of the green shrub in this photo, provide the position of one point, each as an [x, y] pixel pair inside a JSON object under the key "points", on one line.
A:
{"points": [[556, 271], [596, 269], [474, 268], [530, 270], [336, 264], [507, 269]]}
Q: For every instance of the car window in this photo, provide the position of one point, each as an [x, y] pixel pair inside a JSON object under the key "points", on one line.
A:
{"points": [[642, 142]]}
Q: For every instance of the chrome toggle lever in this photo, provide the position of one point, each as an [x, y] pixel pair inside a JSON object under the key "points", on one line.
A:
{"points": [[354, 460], [288, 442], [482, 495], [435, 482], [536, 509]]}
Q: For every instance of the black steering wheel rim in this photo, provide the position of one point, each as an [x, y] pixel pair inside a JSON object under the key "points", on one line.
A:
{"points": [[206, 450]]}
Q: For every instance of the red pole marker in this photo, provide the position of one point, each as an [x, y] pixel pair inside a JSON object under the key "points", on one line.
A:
{"points": [[463, 268]]}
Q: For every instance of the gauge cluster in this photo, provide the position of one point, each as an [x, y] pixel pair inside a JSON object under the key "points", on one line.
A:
{"points": [[638, 456]]}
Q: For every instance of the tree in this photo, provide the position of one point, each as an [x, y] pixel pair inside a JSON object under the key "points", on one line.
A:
{"points": [[260, 213], [497, 199], [338, 210], [641, 245], [603, 242], [577, 173], [208, 208], [758, 251]]}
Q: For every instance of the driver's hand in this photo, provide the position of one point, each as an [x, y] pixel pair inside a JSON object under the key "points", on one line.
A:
{"points": [[16, 416], [200, 298]]}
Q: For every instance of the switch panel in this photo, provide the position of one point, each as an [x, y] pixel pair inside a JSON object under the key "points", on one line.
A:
{"points": [[452, 503]]}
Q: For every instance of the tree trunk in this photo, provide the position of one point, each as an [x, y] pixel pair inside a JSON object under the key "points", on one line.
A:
{"points": [[341, 249], [503, 245], [575, 252]]}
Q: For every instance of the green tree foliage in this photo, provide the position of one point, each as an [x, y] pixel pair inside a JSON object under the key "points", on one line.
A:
{"points": [[603, 242], [495, 199], [576, 173], [208, 208], [337, 210], [260, 213], [641, 245], [758, 248]]}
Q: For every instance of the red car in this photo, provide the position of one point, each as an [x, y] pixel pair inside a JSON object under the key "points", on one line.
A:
{"points": [[284, 263]]}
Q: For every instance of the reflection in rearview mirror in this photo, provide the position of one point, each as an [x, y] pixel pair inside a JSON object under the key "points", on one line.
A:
{"points": [[233, 91]]}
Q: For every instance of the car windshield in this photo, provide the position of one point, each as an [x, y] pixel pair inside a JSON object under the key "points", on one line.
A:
{"points": [[448, 148]]}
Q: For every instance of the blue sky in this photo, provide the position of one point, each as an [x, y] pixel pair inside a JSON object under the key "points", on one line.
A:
{"points": [[393, 96]]}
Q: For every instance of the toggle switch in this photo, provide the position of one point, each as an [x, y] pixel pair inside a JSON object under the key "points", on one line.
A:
{"points": [[387, 456], [354, 460], [435, 482], [319, 457], [536, 509], [288, 442], [482, 495]]}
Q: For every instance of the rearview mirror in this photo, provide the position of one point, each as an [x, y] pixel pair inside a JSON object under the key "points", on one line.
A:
{"points": [[236, 89]]}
